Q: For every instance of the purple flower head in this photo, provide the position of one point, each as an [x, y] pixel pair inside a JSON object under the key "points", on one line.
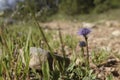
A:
{"points": [[82, 44], [84, 31]]}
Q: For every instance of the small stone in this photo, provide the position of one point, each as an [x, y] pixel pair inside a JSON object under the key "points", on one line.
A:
{"points": [[108, 69], [88, 25], [116, 33], [38, 56], [77, 61], [101, 76]]}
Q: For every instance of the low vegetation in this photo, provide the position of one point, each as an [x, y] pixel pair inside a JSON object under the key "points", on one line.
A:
{"points": [[26, 35], [84, 64]]}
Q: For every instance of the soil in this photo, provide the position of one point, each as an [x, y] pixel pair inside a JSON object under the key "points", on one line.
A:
{"points": [[105, 35], [101, 36]]}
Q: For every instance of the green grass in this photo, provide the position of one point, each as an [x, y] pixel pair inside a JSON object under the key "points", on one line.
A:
{"points": [[26, 35]]}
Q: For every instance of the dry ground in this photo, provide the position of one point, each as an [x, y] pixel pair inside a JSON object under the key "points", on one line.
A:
{"points": [[105, 35]]}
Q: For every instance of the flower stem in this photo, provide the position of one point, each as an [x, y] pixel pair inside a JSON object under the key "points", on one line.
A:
{"points": [[82, 50], [86, 39]]}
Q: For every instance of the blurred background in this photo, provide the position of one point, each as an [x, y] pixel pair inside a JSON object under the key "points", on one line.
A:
{"points": [[50, 9]]}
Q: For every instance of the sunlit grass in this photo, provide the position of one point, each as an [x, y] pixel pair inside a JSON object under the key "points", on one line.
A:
{"points": [[26, 35]]}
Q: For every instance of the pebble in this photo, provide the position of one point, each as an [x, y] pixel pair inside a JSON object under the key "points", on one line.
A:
{"points": [[88, 25], [116, 33], [38, 56]]}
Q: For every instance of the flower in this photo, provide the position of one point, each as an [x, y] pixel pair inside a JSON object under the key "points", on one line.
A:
{"points": [[84, 31], [82, 44]]}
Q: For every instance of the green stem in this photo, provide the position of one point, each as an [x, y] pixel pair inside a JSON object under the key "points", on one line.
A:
{"points": [[40, 28], [82, 50], [86, 39], [61, 41]]}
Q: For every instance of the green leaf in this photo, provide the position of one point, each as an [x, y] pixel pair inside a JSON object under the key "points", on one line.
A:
{"points": [[109, 77], [45, 70]]}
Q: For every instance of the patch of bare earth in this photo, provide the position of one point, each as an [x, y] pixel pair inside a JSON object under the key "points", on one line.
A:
{"points": [[105, 35], [109, 67]]}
